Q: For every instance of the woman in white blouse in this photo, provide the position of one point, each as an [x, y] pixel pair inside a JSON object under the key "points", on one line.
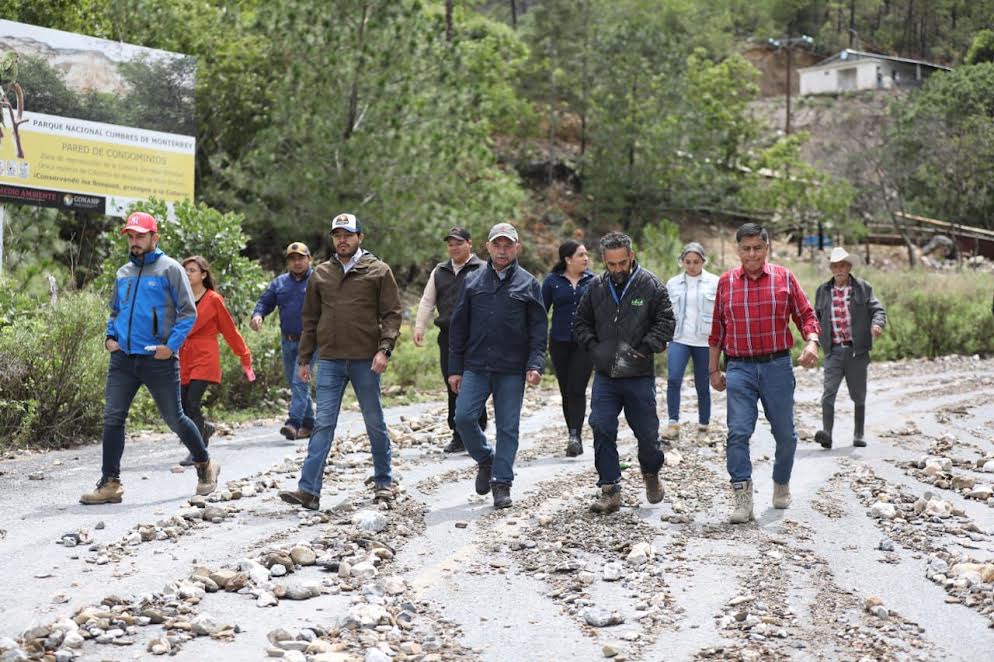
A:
{"points": [[692, 296]]}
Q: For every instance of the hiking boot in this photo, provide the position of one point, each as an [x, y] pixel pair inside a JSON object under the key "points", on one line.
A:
{"points": [[703, 428], [108, 490], [301, 498], [455, 445], [289, 431], [187, 461], [824, 438], [743, 503], [383, 491], [609, 500], [672, 431], [653, 488], [858, 441], [781, 496], [304, 432], [207, 473], [574, 446], [484, 472], [502, 495]]}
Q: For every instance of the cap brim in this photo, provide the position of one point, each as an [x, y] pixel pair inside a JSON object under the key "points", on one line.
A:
{"points": [[455, 236], [137, 230], [298, 253], [503, 234]]}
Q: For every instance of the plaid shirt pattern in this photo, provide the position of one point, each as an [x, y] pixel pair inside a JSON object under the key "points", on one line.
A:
{"points": [[841, 320], [752, 317]]}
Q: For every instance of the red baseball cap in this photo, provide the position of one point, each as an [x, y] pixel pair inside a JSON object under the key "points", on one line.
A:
{"points": [[141, 223]]}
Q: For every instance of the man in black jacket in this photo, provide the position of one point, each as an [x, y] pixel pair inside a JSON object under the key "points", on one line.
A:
{"points": [[496, 342], [851, 318], [440, 292], [623, 319]]}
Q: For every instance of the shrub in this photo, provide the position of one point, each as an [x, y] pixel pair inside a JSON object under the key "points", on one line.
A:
{"points": [[201, 230], [52, 374]]}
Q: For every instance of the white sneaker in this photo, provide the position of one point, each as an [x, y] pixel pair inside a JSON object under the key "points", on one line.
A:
{"points": [[703, 427]]}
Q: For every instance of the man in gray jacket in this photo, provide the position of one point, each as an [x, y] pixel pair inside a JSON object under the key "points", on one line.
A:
{"points": [[851, 318]]}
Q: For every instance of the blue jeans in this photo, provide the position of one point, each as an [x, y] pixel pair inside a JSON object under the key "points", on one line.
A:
{"points": [[333, 376], [125, 375], [677, 356], [301, 409], [508, 390], [773, 384], [637, 397]]}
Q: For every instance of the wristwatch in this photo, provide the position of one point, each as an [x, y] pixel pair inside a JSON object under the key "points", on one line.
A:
{"points": [[387, 352]]}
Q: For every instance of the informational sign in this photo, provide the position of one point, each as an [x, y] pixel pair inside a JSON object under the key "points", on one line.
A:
{"points": [[91, 124]]}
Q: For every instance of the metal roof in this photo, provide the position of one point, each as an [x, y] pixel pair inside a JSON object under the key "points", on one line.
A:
{"points": [[848, 54]]}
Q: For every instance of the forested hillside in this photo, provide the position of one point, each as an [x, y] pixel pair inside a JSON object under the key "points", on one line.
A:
{"points": [[565, 115]]}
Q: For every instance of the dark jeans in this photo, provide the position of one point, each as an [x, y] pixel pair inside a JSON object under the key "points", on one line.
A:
{"points": [[125, 376], [637, 397], [841, 364], [573, 367], [443, 359], [192, 394], [508, 390]]}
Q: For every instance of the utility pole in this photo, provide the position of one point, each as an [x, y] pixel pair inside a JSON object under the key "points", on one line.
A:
{"points": [[787, 44]]}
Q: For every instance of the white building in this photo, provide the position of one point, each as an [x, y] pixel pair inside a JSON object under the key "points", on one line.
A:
{"points": [[857, 70]]}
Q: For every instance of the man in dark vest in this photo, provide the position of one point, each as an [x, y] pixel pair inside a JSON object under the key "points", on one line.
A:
{"points": [[440, 292]]}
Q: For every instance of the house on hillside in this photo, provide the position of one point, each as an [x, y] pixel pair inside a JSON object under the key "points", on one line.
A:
{"points": [[852, 70]]}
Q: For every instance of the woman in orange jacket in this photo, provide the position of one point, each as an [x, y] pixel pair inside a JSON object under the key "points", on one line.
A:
{"points": [[200, 357]]}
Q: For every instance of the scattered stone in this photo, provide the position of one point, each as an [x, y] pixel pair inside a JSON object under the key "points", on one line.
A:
{"points": [[303, 555], [883, 510], [612, 571], [461, 524], [599, 617], [370, 520]]}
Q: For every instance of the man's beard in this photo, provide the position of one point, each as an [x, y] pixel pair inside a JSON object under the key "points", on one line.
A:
{"points": [[620, 277]]}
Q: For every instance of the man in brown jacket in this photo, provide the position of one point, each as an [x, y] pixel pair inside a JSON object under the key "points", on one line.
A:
{"points": [[351, 318]]}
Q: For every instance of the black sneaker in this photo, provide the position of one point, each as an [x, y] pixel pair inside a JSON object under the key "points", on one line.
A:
{"points": [[824, 438], [484, 472], [209, 431], [455, 446], [502, 495], [187, 461], [574, 446], [858, 441]]}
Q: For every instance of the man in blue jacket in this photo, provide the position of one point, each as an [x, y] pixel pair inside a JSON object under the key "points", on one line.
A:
{"points": [[286, 292], [496, 342], [151, 312]]}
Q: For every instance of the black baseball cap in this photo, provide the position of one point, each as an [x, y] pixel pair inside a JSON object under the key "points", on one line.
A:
{"points": [[457, 233]]}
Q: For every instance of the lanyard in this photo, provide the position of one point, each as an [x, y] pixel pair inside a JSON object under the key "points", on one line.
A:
{"points": [[617, 299]]}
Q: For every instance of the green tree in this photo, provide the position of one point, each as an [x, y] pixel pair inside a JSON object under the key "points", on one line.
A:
{"points": [[378, 115], [941, 146], [982, 48], [798, 197]]}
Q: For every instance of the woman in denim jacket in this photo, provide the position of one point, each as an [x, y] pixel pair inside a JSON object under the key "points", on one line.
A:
{"points": [[692, 296]]}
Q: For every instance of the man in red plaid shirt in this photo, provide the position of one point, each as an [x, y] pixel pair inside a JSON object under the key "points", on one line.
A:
{"points": [[752, 311]]}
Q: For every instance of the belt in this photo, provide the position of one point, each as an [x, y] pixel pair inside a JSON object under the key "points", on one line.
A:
{"points": [[842, 344], [291, 337], [761, 358]]}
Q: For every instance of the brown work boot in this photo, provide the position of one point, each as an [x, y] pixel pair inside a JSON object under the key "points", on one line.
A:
{"points": [[301, 498], [653, 488], [108, 490], [289, 431], [609, 500], [743, 503], [207, 473], [304, 433], [781, 496]]}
